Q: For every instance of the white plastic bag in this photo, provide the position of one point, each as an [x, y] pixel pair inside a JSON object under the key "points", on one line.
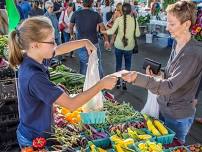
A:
{"points": [[92, 77], [151, 107]]}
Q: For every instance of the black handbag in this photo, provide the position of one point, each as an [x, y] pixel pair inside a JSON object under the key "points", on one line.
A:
{"points": [[154, 66], [135, 49]]}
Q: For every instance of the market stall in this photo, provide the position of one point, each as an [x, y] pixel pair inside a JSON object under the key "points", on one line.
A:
{"points": [[118, 127]]}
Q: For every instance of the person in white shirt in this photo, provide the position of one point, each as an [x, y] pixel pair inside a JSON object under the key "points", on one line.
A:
{"points": [[105, 10], [65, 17]]}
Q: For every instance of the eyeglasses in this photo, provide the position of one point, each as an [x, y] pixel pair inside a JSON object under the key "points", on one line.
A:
{"points": [[52, 43]]}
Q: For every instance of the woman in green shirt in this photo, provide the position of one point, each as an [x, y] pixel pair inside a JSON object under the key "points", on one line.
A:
{"points": [[124, 42]]}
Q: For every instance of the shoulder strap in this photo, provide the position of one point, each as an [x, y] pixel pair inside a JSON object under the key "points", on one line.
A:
{"points": [[135, 27], [63, 16]]}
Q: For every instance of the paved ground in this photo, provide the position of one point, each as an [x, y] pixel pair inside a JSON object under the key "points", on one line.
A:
{"points": [[135, 95]]}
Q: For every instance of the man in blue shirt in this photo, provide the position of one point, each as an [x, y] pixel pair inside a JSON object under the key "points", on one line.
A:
{"points": [[86, 21], [25, 6]]}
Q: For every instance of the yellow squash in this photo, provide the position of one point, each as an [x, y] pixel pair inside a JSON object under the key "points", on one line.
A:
{"points": [[160, 127]]}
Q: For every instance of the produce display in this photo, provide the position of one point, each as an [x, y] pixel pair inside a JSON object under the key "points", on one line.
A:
{"points": [[150, 147], [195, 148], [67, 138], [143, 20], [67, 77], [3, 44], [124, 129], [179, 149], [119, 113], [121, 145], [156, 127]]}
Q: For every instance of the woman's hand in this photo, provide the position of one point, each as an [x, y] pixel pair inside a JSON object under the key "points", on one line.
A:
{"points": [[103, 31], [90, 47], [108, 82], [150, 72], [130, 76]]}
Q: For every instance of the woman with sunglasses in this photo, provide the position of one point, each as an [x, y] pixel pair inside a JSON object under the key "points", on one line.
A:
{"points": [[177, 88], [31, 48]]}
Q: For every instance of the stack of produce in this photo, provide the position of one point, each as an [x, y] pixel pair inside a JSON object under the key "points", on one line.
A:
{"points": [[195, 148], [150, 147], [71, 117], [94, 148], [143, 20], [121, 145], [63, 116], [156, 127], [3, 45], [179, 149], [134, 133], [93, 134], [68, 138], [119, 113], [67, 77]]}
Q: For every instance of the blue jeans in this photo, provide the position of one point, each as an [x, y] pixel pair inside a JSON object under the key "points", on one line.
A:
{"points": [[179, 126], [127, 57], [66, 36], [58, 41], [22, 141], [83, 58]]}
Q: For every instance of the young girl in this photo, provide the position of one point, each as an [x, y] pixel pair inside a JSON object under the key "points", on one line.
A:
{"points": [[31, 47]]}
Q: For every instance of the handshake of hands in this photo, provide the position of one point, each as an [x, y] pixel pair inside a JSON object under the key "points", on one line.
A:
{"points": [[109, 81]]}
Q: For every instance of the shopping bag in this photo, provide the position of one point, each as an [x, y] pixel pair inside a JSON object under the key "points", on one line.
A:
{"points": [[62, 26], [92, 77], [151, 107]]}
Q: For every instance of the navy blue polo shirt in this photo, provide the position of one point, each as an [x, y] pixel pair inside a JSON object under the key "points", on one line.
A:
{"points": [[36, 97]]}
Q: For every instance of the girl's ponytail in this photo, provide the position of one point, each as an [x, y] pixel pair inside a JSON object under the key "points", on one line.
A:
{"points": [[15, 51]]}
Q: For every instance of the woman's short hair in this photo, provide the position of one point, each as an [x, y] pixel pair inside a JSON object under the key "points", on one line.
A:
{"points": [[48, 4], [183, 10]]}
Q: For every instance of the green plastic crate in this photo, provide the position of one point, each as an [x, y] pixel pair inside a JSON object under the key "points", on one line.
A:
{"points": [[166, 139], [93, 117]]}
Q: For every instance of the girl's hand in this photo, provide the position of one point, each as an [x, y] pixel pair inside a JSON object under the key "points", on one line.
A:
{"points": [[130, 76], [109, 82], [90, 47]]}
